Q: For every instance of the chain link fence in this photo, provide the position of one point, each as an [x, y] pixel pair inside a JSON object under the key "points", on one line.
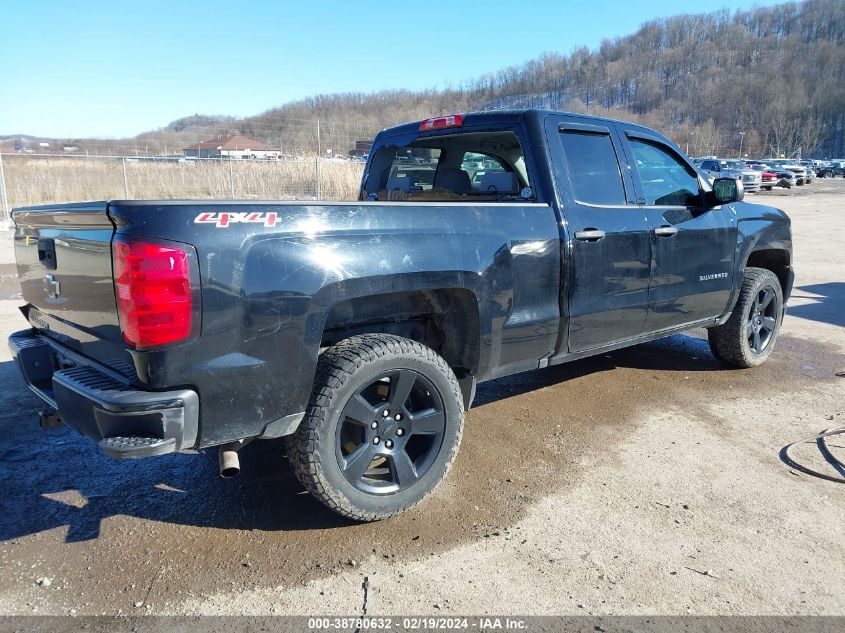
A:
{"points": [[43, 179], [272, 157], [745, 153]]}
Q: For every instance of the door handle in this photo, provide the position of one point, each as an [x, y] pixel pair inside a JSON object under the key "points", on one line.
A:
{"points": [[666, 231], [589, 235]]}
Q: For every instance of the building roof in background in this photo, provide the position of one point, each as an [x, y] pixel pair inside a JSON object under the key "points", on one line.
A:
{"points": [[235, 142]]}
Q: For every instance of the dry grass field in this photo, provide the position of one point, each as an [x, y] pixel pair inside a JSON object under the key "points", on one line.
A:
{"points": [[49, 180]]}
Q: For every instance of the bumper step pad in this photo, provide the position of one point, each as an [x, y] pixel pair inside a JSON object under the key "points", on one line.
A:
{"points": [[100, 403], [128, 447]]}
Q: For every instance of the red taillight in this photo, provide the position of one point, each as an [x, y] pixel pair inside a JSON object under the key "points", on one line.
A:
{"points": [[438, 123], [153, 285]]}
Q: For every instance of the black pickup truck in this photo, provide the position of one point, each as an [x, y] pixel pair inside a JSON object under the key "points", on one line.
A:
{"points": [[481, 245]]}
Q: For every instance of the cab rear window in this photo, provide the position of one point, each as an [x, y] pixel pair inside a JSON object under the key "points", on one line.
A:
{"points": [[468, 166]]}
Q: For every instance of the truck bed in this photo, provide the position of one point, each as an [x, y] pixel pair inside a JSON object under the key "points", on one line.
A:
{"points": [[274, 275]]}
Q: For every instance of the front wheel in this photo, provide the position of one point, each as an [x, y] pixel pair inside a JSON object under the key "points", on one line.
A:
{"points": [[746, 339], [382, 427]]}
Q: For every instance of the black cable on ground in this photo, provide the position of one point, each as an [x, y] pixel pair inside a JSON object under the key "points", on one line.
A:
{"points": [[820, 441]]}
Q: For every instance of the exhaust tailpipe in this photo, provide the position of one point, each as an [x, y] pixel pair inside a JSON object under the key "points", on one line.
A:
{"points": [[230, 463]]}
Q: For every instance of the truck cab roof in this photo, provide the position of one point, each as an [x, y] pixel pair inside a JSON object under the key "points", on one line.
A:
{"points": [[511, 117]]}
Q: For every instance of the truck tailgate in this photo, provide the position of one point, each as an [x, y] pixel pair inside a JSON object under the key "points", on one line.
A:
{"points": [[63, 254]]}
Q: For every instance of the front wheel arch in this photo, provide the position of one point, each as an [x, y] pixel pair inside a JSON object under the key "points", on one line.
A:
{"points": [[776, 260]]}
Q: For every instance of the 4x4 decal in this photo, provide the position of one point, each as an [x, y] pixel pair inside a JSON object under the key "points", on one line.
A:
{"points": [[226, 218]]}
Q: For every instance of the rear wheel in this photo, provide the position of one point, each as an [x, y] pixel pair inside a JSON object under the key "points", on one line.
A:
{"points": [[746, 339], [382, 428]]}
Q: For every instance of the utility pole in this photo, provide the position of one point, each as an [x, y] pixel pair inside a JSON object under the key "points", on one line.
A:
{"points": [[4, 199], [317, 164], [232, 178], [125, 179], [741, 137]]}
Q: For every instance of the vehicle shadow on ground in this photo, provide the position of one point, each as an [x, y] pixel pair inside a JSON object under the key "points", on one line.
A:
{"points": [[826, 307], [58, 478]]}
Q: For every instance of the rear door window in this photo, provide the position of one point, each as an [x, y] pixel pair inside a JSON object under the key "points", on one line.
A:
{"points": [[594, 172]]}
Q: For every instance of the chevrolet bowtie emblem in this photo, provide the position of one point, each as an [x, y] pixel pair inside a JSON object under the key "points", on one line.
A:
{"points": [[51, 287]]}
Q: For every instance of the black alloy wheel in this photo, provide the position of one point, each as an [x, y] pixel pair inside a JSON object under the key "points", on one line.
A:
{"points": [[762, 320], [390, 432]]}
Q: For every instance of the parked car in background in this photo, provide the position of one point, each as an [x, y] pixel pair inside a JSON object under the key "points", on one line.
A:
{"points": [[791, 165], [712, 168], [702, 165], [809, 172], [751, 179], [830, 169], [784, 177], [768, 178], [736, 169]]}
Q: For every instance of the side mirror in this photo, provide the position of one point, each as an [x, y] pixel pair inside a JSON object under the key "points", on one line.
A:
{"points": [[727, 190]]}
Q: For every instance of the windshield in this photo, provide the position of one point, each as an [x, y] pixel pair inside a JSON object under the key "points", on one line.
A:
{"points": [[466, 166]]}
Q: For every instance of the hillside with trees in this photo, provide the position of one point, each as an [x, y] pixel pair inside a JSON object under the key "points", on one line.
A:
{"points": [[775, 74]]}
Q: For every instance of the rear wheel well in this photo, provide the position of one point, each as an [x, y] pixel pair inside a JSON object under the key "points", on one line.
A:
{"points": [[446, 320], [774, 259]]}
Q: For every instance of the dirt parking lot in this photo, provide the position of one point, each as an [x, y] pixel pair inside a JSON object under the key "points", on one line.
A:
{"points": [[646, 481]]}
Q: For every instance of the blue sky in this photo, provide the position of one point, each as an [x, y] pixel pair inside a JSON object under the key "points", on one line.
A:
{"points": [[108, 68]]}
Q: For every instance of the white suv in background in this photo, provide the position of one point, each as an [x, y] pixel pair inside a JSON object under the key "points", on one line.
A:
{"points": [[714, 168]]}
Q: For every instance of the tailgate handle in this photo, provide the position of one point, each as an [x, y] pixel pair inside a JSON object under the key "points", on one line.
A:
{"points": [[47, 253]]}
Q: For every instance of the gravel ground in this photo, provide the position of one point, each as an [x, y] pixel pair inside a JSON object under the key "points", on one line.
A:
{"points": [[646, 481]]}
